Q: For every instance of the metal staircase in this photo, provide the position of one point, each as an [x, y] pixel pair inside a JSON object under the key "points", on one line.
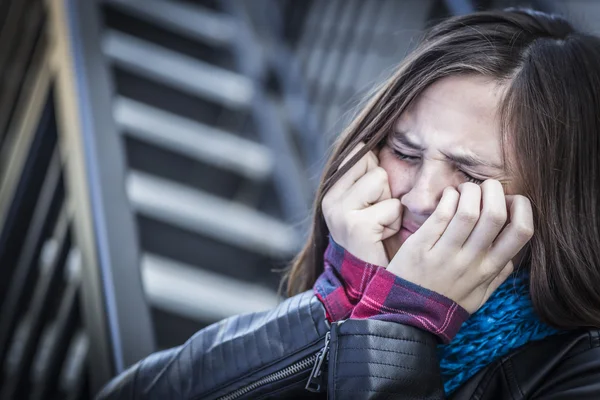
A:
{"points": [[158, 159], [213, 178]]}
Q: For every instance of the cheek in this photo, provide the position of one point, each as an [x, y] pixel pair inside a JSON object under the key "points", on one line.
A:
{"points": [[400, 175]]}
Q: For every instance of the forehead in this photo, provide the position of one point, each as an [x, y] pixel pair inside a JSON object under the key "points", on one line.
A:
{"points": [[456, 113]]}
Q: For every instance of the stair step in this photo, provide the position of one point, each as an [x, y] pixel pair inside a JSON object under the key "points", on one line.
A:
{"points": [[177, 70], [193, 139], [206, 214], [192, 21], [198, 294]]}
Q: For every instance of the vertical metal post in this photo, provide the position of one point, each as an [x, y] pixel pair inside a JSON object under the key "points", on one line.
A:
{"points": [[115, 310], [290, 179]]}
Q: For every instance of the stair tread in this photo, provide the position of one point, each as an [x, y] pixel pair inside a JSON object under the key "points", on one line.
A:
{"points": [[178, 70], [193, 139], [206, 214]]}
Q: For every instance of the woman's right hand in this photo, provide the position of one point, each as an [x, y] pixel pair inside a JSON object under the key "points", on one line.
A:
{"points": [[464, 250], [359, 210]]}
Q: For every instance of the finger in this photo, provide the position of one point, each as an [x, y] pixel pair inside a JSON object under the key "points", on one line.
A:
{"points": [[465, 219], [371, 188], [492, 219], [373, 155], [509, 198], [433, 228], [516, 234], [391, 230], [386, 214], [498, 280], [362, 166], [352, 153]]}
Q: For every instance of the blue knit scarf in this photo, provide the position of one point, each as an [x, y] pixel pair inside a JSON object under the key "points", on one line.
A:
{"points": [[506, 321]]}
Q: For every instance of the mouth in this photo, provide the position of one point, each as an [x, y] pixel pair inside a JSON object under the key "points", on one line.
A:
{"points": [[409, 228], [405, 233]]}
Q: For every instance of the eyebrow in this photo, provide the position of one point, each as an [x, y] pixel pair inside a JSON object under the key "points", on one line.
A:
{"points": [[470, 160], [405, 140], [467, 160]]}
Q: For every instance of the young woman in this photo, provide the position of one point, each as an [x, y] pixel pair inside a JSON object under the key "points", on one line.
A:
{"points": [[423, 277]]}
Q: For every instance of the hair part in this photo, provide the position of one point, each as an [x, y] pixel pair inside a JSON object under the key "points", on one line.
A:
{"points": [[550, 123]]}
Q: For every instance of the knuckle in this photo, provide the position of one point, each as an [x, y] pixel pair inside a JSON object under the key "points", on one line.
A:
{"points": [[522, 200], [496, 218], [488, 274], [451, 194], [329, 215], [380, 174], [524, 231], [394, 202], [467, 216], [326, 205], [488, 270], [508, 269], [443, 216]]}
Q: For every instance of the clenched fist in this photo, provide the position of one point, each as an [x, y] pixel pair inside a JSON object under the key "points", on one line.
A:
{"points": [[359, 210], [464, 250]]}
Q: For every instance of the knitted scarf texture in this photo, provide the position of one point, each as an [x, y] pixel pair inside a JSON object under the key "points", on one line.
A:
{"points": [[505, 322]]}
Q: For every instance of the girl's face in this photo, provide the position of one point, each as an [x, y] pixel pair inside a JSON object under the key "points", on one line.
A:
{"points": [[449, 135]]}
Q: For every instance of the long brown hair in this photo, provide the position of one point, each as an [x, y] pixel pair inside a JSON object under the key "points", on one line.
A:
{"points": [[551, 121]]}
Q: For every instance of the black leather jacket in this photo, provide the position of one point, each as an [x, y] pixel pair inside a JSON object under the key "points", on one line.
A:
{"points": [[272, 354]]}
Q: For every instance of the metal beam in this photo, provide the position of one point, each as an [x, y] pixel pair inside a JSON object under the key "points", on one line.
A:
{"points": [[39, 229], [116, 313], [13, 155], [291, 182], [295, 95]]}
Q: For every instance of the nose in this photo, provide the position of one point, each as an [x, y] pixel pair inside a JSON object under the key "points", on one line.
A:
{"points": [[426, 191]]}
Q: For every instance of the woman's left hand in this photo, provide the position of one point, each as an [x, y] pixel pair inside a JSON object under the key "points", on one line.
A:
{"points": [[464, 249]]}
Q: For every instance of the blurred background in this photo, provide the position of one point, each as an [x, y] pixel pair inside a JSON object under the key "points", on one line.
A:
{"points": [[158, 161]]}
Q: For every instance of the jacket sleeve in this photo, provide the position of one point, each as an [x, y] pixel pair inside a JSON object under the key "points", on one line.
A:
{"points": [[373, 359], [575, 377], [228, 355], [366, 359]]}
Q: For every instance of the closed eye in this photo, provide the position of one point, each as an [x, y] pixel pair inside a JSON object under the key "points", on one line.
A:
{"points": [[405, 157], [472, 179]]}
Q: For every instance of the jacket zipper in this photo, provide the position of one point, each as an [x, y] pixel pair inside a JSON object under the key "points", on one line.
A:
{"points": [[315, 380]]}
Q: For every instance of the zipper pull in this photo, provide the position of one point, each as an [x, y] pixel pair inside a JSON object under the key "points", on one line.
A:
{"points": [[315, 380]]}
